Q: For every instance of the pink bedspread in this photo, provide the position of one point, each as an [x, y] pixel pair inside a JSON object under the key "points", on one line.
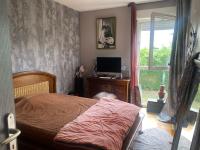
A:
{"points": [[105, 125]]}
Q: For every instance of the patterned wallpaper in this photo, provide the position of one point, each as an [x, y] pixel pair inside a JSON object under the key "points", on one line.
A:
{"points": [[45, 36]]}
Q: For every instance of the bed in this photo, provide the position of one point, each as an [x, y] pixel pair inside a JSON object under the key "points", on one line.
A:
{"points": [[40, 127]]}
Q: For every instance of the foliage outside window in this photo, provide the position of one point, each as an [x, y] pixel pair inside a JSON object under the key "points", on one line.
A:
{"points": [[155, 50], [155, 55]]}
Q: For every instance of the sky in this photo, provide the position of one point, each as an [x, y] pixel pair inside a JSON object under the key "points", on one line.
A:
{"points": [[161, 38]]}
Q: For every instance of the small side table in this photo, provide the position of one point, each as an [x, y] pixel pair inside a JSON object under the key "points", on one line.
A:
{"points": [[154, 106], [79, 86]]}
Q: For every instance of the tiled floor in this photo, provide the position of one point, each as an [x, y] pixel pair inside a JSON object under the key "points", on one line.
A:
{"points": [[151, 121]]}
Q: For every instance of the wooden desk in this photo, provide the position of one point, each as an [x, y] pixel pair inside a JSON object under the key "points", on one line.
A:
{"points": [[119, 87]]}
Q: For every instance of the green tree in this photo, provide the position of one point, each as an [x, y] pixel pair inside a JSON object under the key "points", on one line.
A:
{"points": [[144, 55], [161, 56], [152, 79]]}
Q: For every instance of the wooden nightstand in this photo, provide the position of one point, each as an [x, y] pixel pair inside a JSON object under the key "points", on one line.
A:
{"points": [[119, 87]]}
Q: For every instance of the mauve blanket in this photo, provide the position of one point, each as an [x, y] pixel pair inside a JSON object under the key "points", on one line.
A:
{"points": [[105, 125]]}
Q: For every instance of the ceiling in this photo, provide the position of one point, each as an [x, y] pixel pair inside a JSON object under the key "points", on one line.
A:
{"points": [[87, 5]]}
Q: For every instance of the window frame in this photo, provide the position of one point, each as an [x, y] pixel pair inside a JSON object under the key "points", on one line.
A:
{"points": [[154, 15]]}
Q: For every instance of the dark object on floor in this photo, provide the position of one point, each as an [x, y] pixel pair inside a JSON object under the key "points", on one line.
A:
{"points": [[79, 86], [192, 116], [71, 93], [157, 139], [189, 119], [154, 106]]}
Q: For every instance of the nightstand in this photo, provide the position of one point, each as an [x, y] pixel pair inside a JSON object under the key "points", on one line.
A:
{"points": [[119, 87]]}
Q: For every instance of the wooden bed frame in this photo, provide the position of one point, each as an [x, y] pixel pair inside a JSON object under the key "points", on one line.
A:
{"points": [[35, 82]]}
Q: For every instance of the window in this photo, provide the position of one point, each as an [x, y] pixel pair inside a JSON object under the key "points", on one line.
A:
{"points": [[161, 35], [196, 102], [155, 36]]}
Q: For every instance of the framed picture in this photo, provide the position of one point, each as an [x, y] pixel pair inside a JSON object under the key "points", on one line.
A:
{"points": [[106, 33]]}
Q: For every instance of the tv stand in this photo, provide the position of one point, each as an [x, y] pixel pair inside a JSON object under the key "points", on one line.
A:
{"points": [[119, 87]]}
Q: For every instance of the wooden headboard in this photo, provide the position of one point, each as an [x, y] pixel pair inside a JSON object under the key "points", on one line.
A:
{"points": [[33, 82]]}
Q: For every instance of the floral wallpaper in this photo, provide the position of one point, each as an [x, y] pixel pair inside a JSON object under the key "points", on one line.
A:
{"points": [[45, 37]]}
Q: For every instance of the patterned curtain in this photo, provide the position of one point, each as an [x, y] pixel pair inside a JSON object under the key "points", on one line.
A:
{"points": [[178, 58], [135, 92]]}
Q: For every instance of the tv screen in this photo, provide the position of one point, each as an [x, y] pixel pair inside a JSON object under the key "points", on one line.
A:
{"points": [[109, 64]]}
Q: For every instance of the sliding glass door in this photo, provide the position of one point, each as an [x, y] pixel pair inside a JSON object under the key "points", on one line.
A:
{"points": [[155, 40]]}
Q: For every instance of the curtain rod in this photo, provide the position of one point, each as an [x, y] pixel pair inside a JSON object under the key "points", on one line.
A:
{"points": [[157, 4]]}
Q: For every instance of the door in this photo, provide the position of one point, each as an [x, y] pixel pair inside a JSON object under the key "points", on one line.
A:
{"points": [[6, 95], [155, 52]]}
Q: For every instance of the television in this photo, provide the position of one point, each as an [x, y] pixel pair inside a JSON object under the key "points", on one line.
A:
{"points": [[109, 64]]}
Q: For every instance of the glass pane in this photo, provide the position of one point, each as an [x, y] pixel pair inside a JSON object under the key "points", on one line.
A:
{"points": [[163, 36], [150, 81], [144, 43], [196, 103]]}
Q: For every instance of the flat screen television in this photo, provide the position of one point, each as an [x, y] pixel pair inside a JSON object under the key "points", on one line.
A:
{"points": [[109, 64]]}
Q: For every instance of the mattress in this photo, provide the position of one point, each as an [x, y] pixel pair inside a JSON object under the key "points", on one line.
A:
{"points": [[40, 117]]}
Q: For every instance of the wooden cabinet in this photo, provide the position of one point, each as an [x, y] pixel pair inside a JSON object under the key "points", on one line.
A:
{"points": [[119, 87]]}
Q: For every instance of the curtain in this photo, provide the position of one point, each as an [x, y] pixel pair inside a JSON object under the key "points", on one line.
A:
{"points": [[178, 58], [135, 92], [186, 93]]}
